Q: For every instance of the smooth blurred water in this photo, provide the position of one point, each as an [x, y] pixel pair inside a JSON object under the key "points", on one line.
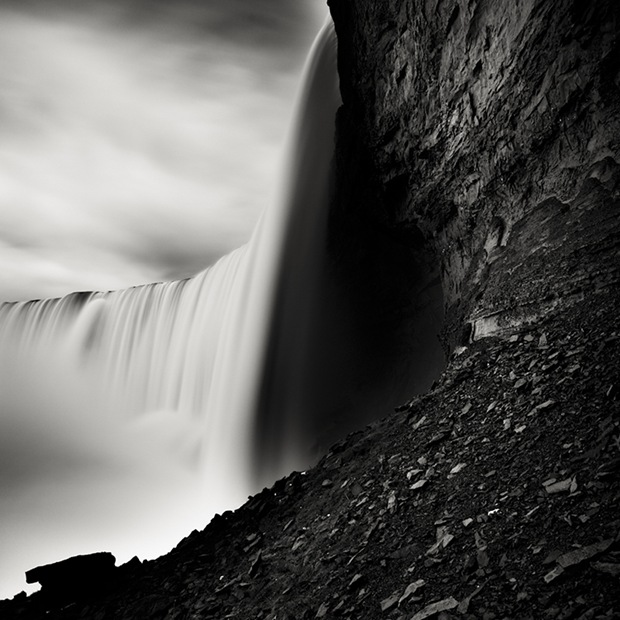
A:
{"points": [[102, 392]]}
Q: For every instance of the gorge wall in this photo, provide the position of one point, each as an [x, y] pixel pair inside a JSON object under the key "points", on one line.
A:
{"points": [[491, 131]]}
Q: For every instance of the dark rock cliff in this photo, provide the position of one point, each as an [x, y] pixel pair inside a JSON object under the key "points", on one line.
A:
{"points": [[477, 160], [493, 129]]}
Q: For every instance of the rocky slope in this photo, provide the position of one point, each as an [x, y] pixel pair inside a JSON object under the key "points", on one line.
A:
{"points": [[482, 138]]}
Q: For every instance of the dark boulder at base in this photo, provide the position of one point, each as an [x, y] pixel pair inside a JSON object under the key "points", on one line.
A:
{"points": [[74, 578]]}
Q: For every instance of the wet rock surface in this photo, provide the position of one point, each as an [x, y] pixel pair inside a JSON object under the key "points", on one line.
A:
{"points": [[489, 131]]}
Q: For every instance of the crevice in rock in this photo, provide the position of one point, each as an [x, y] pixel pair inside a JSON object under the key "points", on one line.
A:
{"points": [[453, 17]]}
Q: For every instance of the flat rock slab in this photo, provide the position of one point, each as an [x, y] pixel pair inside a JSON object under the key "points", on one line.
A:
{"points": [[92, 568]]}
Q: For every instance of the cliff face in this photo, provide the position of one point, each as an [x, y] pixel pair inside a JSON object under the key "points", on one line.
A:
{"points": [[477, 166], [493, 129]]}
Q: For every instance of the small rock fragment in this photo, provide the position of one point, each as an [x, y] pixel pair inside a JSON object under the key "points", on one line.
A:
{"points": [[443, 538], [410, 590], [584, 553], [483, 558], [457, 468], [520, 384], [391, 504], [611, 568], [531, 512], [435, 608], [438, 437], [256, 563], [357, 581], [559, 487], [554, 574], [322, 612], [545, 405], [390, 602], [419, 423], [414, 472]]}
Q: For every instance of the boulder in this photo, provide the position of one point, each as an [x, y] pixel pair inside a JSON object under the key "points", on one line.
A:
{"points": [[74, 578]]}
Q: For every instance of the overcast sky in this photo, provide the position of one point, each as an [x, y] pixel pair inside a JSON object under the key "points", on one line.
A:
{"points": [[139, 141]]}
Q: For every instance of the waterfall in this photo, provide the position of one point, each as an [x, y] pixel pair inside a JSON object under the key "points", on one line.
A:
{"points": [[175, 368]]}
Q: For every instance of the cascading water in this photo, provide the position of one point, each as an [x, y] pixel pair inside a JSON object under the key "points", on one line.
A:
{"points": [[159, 405], [173, 368]]}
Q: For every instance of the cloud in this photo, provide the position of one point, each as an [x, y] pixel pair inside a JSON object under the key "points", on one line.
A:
{"points": [[275, 24], [139, 134]]}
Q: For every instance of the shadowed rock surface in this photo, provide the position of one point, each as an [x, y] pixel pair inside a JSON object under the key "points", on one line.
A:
{"points": [[487, 134]]}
